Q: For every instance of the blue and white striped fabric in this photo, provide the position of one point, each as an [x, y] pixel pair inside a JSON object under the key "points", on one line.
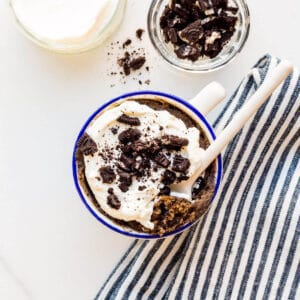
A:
{"points": [[247, 246]]}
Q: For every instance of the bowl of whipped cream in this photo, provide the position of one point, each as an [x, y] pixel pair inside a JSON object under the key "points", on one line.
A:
{"points": [[67, 26]]}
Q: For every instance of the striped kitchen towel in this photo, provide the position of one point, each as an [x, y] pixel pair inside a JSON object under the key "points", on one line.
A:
{"points": [[247, 246]]}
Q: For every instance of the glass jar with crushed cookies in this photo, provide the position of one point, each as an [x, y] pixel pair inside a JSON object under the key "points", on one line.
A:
{"points": [[198, 35]]}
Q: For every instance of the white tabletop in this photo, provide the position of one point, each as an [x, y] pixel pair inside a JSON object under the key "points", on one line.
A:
{"points": [[50, 245]]}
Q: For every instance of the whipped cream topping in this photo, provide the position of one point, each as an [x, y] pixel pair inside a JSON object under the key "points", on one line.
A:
{"points": [[64, 21], [136, 204]]}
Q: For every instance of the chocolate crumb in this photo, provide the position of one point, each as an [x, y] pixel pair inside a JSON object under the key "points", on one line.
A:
{"points": [[126, 69], [114, 130], [129, 120], [141, 187], [140, 82], [126, 43], [107, 174], [139, 33], [147, 81], [110, 190]]}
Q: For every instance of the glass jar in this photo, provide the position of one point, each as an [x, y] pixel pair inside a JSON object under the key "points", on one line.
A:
{"points": [[94, 36], [202, 65]]}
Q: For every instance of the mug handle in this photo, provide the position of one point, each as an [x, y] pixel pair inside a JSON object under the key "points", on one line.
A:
{"points": [[208, 98]]}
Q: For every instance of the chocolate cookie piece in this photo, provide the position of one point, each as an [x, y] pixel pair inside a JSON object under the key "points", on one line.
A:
{"points": [[173, 142], [126, 68], [107, 174], [164, 191], [126, 43], [168, 177], [125, 178], [162, 160], [140, 147], [129, 120], [139, 33], [124, 63], [137, 63], [123, 187], [182, 178], [86, 145], [113, 201], [126, 160], [129, 135], [192, 33], [187, 51], [180, 164], [172, 35]]}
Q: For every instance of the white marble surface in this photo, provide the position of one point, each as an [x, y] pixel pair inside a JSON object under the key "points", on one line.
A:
{"points": [[50, 246]]}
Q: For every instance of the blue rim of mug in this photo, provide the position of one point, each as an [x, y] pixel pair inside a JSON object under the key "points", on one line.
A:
{"points": [[83, 129]]}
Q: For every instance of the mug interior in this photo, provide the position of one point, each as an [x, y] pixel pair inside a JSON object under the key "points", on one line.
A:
{"points": [[183, 105]]}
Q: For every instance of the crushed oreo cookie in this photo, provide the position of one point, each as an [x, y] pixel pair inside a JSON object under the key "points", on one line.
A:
{"points": [[112, 200], [123, 187], [168, 177], [128, 63], [126, 43], [127, 161], [180, 164], [192, 33], [165, 191], [129, 135], [162, 160], [125, 178], [86, 145], [137, 63], [174, 142], [129, 120], [182, 178], [107, 174], [198, 28]]}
